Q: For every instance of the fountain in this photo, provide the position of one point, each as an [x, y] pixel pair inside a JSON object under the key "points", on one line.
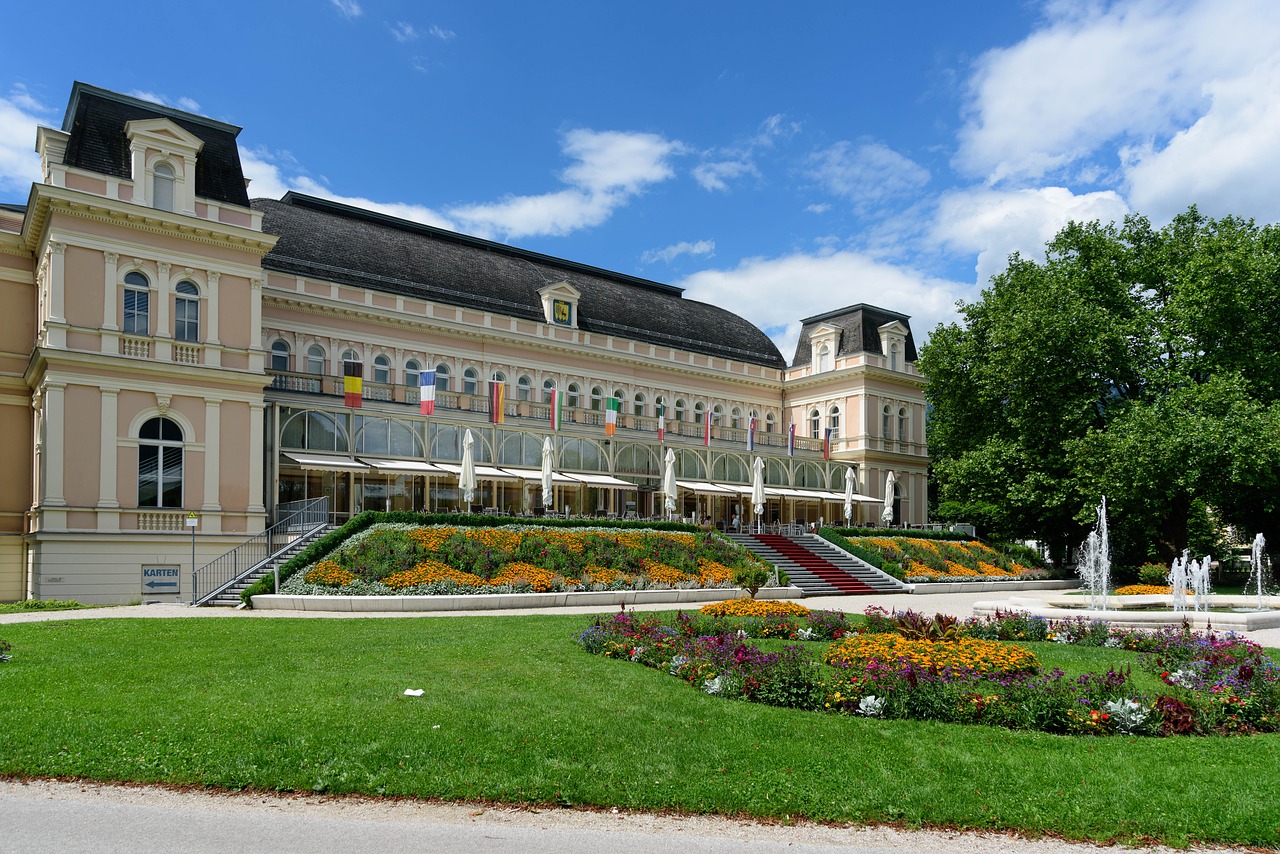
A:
{"points": [[1198, 577], [1178, 583], [1258, 565], [1094, 568]]}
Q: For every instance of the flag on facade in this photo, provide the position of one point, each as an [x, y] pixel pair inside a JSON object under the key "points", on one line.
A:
{"points": [[497, 397], [353, 383], [662, 423], [791, 441], [826, 445], [557, 416], [751, 434], [427, 392], [706, 429], [611, 407]]}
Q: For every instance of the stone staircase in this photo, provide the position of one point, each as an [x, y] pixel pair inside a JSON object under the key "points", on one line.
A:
{"points": [[230, 597], [817, 567]]}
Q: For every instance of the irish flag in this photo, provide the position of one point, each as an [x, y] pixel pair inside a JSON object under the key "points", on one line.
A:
{"points": [[611, 416]]}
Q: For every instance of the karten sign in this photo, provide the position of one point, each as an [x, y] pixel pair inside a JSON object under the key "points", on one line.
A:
{"points": [[160, 581]]}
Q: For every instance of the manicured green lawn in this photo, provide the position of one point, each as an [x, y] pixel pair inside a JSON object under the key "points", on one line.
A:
{"points": [[513, 710]]}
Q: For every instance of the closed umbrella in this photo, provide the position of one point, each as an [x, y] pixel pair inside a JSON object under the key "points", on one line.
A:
{"points": [[669, 482], [757, 490], [850, 487], [467, 479], [886, 515], [548, 464]]}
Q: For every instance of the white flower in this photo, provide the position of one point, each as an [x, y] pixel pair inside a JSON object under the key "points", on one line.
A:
{"points": [[677, 661], [1062, 637], [636, 653], [1182, 678], [712, 686], [1127, 715], [871, 706], [1114, 643], [806, 634]]}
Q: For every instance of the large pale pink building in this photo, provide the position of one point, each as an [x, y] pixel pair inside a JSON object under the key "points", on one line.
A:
{"points": [[170, 347]]}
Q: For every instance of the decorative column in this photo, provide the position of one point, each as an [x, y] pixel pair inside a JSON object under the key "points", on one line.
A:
{"points": [[256, 427], [211, 335], [55, 331], [256, 359], [212, 453], [108, 462], [55, 443], [138, 161], [163, 337], [109, 272]]}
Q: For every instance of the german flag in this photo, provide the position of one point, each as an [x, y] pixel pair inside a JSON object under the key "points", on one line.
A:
{"points": [[353, 383]]}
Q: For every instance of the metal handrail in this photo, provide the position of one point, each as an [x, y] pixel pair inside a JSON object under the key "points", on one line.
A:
{"points": [[296, 519]]}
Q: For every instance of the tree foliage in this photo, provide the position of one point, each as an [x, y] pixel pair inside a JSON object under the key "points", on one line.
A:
{"points": [[1139, 363]]}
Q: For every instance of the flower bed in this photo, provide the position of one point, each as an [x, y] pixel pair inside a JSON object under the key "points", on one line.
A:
{"points": [[754, 608], [1142, 590], [924, 560], [403, 559], [1211, 684]]}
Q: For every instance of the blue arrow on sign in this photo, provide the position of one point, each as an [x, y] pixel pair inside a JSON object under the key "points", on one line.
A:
{"points": [[162, 584]]}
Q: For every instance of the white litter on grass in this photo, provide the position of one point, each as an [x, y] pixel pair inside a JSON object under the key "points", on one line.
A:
{"points": [[437, 726], [413, 692]]}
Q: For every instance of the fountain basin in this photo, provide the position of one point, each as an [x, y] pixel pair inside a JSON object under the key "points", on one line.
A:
{"points": [[1123, 611]]}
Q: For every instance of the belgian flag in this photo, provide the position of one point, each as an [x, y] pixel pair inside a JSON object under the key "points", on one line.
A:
{"points": [[353, 383]]}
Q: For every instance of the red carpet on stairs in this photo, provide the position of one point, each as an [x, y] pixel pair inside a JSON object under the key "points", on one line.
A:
{"points": [[823, 569]]}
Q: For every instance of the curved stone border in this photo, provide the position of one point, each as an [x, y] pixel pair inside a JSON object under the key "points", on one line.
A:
{"points": [[989, 586], [1239, 621], [512, 601]]}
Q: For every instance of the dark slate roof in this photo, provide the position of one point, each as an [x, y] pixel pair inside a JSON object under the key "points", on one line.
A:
{"points": [[859, 327], [339, 243], [96, 118], [22, 209]]}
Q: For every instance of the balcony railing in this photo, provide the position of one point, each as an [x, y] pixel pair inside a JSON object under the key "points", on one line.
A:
{"points": [[533, 411]]}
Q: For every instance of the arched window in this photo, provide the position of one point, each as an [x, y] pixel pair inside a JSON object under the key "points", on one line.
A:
{"points": [[470, 381], [698, 409], [597, 398], [160, 464], [824, 358], [768, 423], [902, 425], [659, 405], [381, 369], [574, 396], [442, 377], [137, 304], [639, 404], [279, 356], [412, 373], [548, 386], [833, 420], [680, 409], [886, 425], [815, 424], [315, 359], [186, 312], [162, 187], [893, 356], [524, 388], [735, 418], [717, 414]]}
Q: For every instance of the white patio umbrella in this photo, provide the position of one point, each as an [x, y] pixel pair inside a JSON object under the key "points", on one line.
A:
{"points": [[669, 482], [548, 464], [467, 479], [850, 487], [886, 515], [757, 490]]}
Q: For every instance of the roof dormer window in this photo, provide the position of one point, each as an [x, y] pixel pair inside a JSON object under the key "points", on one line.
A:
{"points": [[560, 304], [162, 187]]}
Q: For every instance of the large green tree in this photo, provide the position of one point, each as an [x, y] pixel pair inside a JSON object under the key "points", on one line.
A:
{"points": [[1139, 363]]}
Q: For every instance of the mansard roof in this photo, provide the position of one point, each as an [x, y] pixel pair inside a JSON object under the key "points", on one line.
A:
{"points": [[95, 121], [859, 327], [327, 240]]}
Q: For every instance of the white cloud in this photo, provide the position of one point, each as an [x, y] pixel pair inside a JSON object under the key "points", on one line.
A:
{"points": [[1228, 162], [348, 8], [403, 31], [1097, 77], [867, 173], [670, 253], [267, 173], [820, 208], [20, 113], [996, 223], [813, 284], [441, 33], [716, 176], [190, 105], [611, 168]]}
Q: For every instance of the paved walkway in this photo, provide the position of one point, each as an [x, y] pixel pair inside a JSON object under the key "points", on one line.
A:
{"points": [[956, 604]]}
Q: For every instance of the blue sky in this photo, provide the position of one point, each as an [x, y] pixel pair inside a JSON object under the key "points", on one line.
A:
{"points": [[780, 161]]}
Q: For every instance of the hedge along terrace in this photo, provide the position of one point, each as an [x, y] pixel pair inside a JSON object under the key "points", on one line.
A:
{"points": [[952, 557], [401, 558], [908, 666]]}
